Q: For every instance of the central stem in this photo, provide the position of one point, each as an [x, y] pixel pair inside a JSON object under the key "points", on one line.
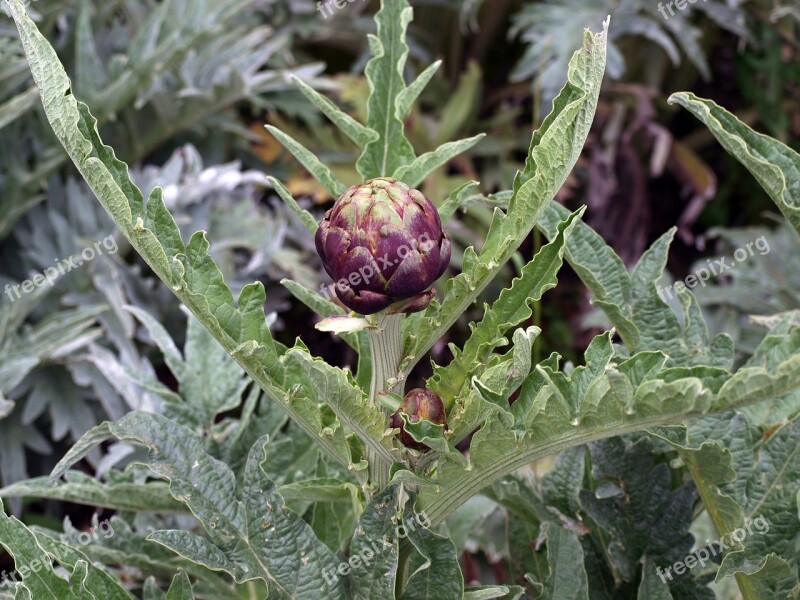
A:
{"points": [[386, 352]]}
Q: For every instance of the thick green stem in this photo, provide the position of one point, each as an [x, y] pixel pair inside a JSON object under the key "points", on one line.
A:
{"points": [[386, 351]]}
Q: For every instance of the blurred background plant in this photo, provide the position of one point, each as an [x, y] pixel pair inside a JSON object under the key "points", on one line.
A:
{"points": [[160, 77], [182, 89]]}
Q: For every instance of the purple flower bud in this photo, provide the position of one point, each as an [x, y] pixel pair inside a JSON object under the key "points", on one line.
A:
{"points": [[418, 404], [382, 242]]}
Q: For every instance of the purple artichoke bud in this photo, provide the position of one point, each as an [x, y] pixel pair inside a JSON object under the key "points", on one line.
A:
{"points": [[382, 242], [418, 404]]}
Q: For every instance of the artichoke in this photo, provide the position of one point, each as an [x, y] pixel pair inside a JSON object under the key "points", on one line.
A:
{"points": [[382, 243], [418, 404]]}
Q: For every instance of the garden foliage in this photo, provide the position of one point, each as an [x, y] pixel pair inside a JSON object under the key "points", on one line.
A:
{"points": [[263, 482]]}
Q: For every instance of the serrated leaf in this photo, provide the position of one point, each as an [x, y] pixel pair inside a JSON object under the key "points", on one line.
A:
{"points": [[120, 545], [100, 583], [611, 406], [384, 74], [347, 401], [567, 579], [82, 489], [195, 279], [511, 308], [254, 537], [561, 135], [599, 267], [434, 571], [39, 579], [636, 304], [774, 165], [456, 199], [746, 484], [377, 544]]}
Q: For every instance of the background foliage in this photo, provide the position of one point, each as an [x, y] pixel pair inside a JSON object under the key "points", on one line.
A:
{"points": [[180, 89]]}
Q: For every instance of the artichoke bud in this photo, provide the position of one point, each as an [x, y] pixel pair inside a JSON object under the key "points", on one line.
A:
{"points": [[383, 245], [418, 404]]}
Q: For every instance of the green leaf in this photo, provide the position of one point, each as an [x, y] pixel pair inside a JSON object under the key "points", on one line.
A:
{"points": [[306, 218], [409, 95], [181, 588], [212, 382], [434, 572], [384, 74], [82, 489], [774, 165], [651, 587], [600, 269], [314, 165], [350, 404], [549, 420], [456, 199], [774, 349], [376, 544], [555, 148], [635, 304], [39, 580], [493, 388], [746, 483], [567, 578], [251, 534], [357, 132], [100, 583], [415, 172], [193, 276], [641, 512], [511, 308], [118, 544]]}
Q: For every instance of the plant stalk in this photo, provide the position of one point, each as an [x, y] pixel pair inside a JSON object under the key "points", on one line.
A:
{"points": [[386, 352]]}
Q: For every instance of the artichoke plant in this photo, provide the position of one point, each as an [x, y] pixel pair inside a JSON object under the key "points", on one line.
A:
{"points": [[383, 245]]}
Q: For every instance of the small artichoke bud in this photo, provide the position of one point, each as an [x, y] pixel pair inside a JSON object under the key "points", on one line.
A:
{"points": [[382, 243], [418, 404]]}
